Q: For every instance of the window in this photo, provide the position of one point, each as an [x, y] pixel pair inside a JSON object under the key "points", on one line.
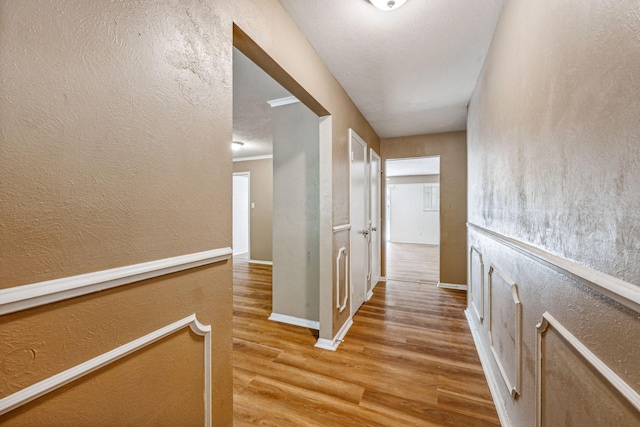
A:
{"points": [[431, 197]]}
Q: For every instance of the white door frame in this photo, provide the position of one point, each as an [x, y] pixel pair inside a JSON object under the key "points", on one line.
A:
{"points": [[387, 207], [355, 232], [375, 226]]}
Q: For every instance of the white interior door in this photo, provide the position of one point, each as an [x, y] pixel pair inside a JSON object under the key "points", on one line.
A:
{"points": [[240, 213], [375, 171], [359, 221]]}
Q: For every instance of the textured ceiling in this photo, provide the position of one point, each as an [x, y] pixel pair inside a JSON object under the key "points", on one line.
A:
{"points": [[412, 167], [252, 124], [410, 71]]}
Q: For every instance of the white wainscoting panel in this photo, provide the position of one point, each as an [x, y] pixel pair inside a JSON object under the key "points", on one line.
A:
{"points": [[476, 283], [625, 293], [625, 390], [344, 227], [485, 361], [19, 298], [509, 363], [50, 384], [342, 305]]}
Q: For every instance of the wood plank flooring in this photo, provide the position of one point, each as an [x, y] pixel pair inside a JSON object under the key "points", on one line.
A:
{"points": [[408, 360], [410, 262]]}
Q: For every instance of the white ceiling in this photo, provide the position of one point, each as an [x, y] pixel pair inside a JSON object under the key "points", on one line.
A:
{"points": [[412, 167], [410, 71]]}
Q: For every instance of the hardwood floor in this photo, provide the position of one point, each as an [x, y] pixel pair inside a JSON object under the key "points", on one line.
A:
{"points": [[410, 262], [408, 360]]}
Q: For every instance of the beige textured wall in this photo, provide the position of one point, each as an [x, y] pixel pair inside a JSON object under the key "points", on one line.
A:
{"points": [[261, 222], [113, 118], [571, 152], [452, 149], [102, 126], [554, 161], [114, 123]]}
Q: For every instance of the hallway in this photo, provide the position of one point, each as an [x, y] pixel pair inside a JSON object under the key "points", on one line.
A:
{"points": [[408, 360], [410, 262]]}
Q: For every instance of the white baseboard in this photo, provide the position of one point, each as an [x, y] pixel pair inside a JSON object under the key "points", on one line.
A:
{"points": [[296, 321], [335, 342], [370, 293], [326, 344], [383, 279], [257, 261], [417, 243], [491, 379], [452, 286]]}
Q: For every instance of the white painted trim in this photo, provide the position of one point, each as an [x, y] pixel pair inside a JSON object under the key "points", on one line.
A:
{"points": [[335, 342], [353, 234], [343, 227], [383, 279], [347, 287], [257, 261], [415, 243], [499, 403], [452, 286], [28, 296], [472, 302], [296, 321], [375, 275], [246, 159], [370, 294], [283, 101], [325, 227], [326, 344], [54, 382], [607, 373], [625, 293], [513, 385]]}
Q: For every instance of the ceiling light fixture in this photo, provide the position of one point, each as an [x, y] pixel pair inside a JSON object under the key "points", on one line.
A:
{"points": [[387, 4], [236, 145]]}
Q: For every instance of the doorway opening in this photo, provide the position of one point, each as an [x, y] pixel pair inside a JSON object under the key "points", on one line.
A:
{"points": [[364, 208], [286, 147], [241, 225], [412, 206]]}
